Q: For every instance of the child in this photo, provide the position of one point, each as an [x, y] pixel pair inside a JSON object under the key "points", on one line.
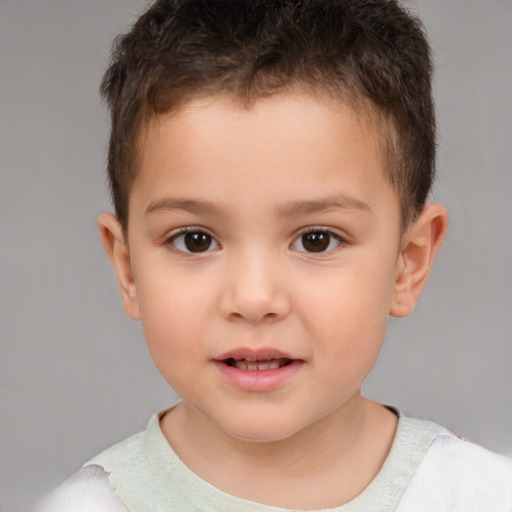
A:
{"points": [[270, 163]]}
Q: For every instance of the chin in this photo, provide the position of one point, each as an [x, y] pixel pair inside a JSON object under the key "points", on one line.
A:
{"points": [[261, 430]]}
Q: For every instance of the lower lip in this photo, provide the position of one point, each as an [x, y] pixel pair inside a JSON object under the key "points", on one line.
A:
{"points": [[258, 380]]}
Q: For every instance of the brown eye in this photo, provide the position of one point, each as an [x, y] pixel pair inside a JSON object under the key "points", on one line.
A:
{"points": [[197, 242], [194, 242], [317, 241]]}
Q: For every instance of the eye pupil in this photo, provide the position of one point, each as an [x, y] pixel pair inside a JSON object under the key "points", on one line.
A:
{"points": [[197, 242], [317, 241]]}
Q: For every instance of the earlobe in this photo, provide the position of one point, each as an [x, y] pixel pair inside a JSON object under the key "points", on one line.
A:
{"points": [[116, 247], [421, 242]]}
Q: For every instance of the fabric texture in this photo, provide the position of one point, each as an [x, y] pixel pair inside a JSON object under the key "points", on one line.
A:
{"points": [[86, 491], [427, 470], [458, 476]]}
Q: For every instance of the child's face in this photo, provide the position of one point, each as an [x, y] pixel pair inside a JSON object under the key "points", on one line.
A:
{"points": [[264, 248]]}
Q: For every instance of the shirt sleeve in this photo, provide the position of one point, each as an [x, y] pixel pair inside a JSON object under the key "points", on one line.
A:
{"points": [[88, 490], [459, 476]]}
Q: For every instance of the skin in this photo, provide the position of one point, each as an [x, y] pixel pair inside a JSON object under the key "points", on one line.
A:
{"points": [[255, 180]]}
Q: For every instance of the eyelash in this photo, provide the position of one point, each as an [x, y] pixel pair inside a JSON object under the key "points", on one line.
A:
{"points": [[171, 241], [331, 236], [319, 243]]}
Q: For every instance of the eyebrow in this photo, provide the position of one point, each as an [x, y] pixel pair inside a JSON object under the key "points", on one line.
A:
{"points": [[300, 207], [338, 202], [188, 205]]}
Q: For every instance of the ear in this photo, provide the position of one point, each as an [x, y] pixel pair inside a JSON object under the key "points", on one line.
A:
{"points": [[116, 247], [419, 246]]}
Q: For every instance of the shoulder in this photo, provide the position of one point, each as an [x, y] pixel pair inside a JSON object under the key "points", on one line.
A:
{"points": [[88, 490], [466, 464], [457, 475]]}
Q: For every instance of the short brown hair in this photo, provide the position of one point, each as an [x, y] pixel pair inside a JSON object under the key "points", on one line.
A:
{"points": [[373, 52]]}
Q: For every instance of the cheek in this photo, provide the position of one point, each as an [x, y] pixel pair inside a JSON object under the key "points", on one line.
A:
{"points": [[350, 348], [173, 316], [356, 301], [349, 316]]}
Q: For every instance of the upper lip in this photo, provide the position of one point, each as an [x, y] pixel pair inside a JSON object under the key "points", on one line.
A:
{"points": [[248, 354]]}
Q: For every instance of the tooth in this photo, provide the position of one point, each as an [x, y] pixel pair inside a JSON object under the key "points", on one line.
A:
{"points": [[241, 365], [273, 364]]}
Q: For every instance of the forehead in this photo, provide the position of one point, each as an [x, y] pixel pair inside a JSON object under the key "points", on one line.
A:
{"points": [[302, 145]]}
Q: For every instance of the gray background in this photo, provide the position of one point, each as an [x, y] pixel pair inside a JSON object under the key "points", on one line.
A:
{"points": [[74, 372]]}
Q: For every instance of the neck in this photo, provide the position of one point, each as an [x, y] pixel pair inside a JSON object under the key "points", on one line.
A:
{"points": [[349, 445]]}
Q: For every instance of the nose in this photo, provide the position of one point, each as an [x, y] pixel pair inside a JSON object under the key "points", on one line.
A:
{"points": [[254, 290]]}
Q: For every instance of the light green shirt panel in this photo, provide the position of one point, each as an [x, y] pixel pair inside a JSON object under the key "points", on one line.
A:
{"points": [[148, 476]]}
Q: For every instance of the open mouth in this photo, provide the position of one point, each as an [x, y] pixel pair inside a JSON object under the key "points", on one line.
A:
{"points": [[258, 371], [267, 364]]}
